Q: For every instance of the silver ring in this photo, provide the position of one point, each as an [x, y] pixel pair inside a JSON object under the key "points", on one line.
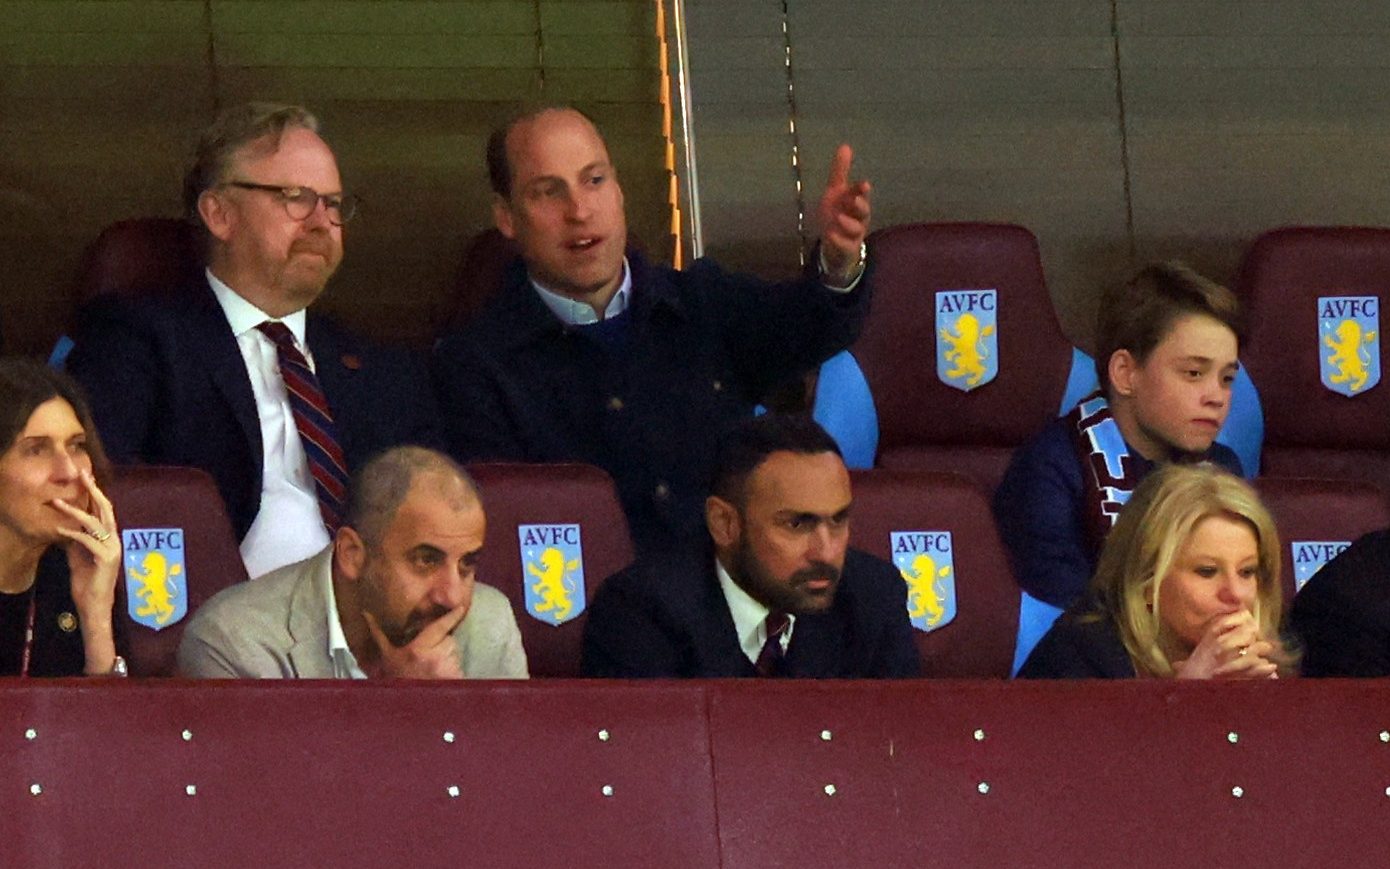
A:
{"points": [[102, 535]]}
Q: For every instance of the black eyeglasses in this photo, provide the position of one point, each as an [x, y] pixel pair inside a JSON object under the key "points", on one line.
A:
{"points": [[300, 202]]}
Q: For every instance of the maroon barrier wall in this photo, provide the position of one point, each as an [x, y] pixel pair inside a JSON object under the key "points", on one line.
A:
{"points": [[713, 774]]}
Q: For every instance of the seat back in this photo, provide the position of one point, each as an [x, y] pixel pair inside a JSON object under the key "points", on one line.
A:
{"points": [[971, 424], [479, 276], [179, 550], [938, 530], [139, 257], [1317, 519], [1324, 416], [144, 256], [554, 532]]}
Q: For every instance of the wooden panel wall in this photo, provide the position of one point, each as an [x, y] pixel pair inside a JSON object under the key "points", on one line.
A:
{"points": [[742, 143], [1245, 115], [101, 99], [1119, 131]]}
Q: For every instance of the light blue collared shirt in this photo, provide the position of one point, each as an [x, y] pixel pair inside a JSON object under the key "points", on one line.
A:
{"points": [[576, 313]]}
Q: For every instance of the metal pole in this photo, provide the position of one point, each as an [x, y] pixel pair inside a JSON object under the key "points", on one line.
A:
{"points": [[692, 175]]}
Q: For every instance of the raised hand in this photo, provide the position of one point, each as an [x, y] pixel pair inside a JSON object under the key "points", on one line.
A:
{"points": [[844, 216], [94, 561]]}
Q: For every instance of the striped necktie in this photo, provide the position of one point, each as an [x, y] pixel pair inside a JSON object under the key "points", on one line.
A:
{"points": [[770, 659], [315, 423]]}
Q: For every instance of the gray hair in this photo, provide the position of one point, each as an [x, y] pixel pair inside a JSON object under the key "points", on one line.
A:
{"points": [[379, 487], [234, 128]]}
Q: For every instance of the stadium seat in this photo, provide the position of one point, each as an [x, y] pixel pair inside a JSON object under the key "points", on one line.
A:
{"points": [[480, 274], [970, 610], [553, 533], [144, 256], [922, 422], [1322, 417], [1317, 519], [486, 258], [201, 556]]}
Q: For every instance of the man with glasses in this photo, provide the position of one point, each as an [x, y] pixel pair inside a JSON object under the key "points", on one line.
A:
{"points": [[233, 374]]}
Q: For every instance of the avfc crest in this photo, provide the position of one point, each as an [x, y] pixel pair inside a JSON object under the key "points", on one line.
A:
{"points": [[1310, 555], [1349, 343], [967, 341], [926, 562], [156, 583], [553, 561]]}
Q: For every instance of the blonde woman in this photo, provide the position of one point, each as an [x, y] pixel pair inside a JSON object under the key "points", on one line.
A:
{"points": [[1187, 587]]}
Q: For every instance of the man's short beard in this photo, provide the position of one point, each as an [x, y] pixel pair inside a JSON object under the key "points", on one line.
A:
{"points": [[750, 575]]}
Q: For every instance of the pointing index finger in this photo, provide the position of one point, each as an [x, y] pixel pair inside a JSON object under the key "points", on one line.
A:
{"points": [[840, 166]]}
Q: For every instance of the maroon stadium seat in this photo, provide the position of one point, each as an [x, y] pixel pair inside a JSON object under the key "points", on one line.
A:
{"points": [[1309, 430], [979, 641], [151, 499], [485, 261], [538, 508], [484, 265], [1318, 518], [923, 423], [139, 257]]}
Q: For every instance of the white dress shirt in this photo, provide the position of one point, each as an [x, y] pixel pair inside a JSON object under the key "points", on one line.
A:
{"points": [[750, 617], [344, 661], [288, 527]]}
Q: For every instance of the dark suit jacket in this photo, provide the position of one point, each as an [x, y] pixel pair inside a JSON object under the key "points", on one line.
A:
{"points": [[702, 347], [168, 385], [56, 652], [1079, 646], [666, 617], [1342, 615]]}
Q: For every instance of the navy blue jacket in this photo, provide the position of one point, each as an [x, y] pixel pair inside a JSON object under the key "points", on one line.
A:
{"points": [[702, 348], [168, 385], [1038, 507], [667, 617]]}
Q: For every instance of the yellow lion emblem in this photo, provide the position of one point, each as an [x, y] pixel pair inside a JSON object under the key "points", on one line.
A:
{"points": [[156, 589], [965, 349], [553, 584], [924, 589], [1348, 356]]}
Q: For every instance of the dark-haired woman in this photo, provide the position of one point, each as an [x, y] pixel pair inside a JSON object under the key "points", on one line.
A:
{"points": [[60, 552]]}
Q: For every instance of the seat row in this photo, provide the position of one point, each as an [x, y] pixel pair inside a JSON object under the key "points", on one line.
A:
{"points": [[936, 527], [916, 393], [1305, 402]]}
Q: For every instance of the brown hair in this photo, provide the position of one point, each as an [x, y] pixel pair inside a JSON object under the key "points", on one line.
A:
{"points": [[1138, 315], [499, 168], [24, 385]]}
